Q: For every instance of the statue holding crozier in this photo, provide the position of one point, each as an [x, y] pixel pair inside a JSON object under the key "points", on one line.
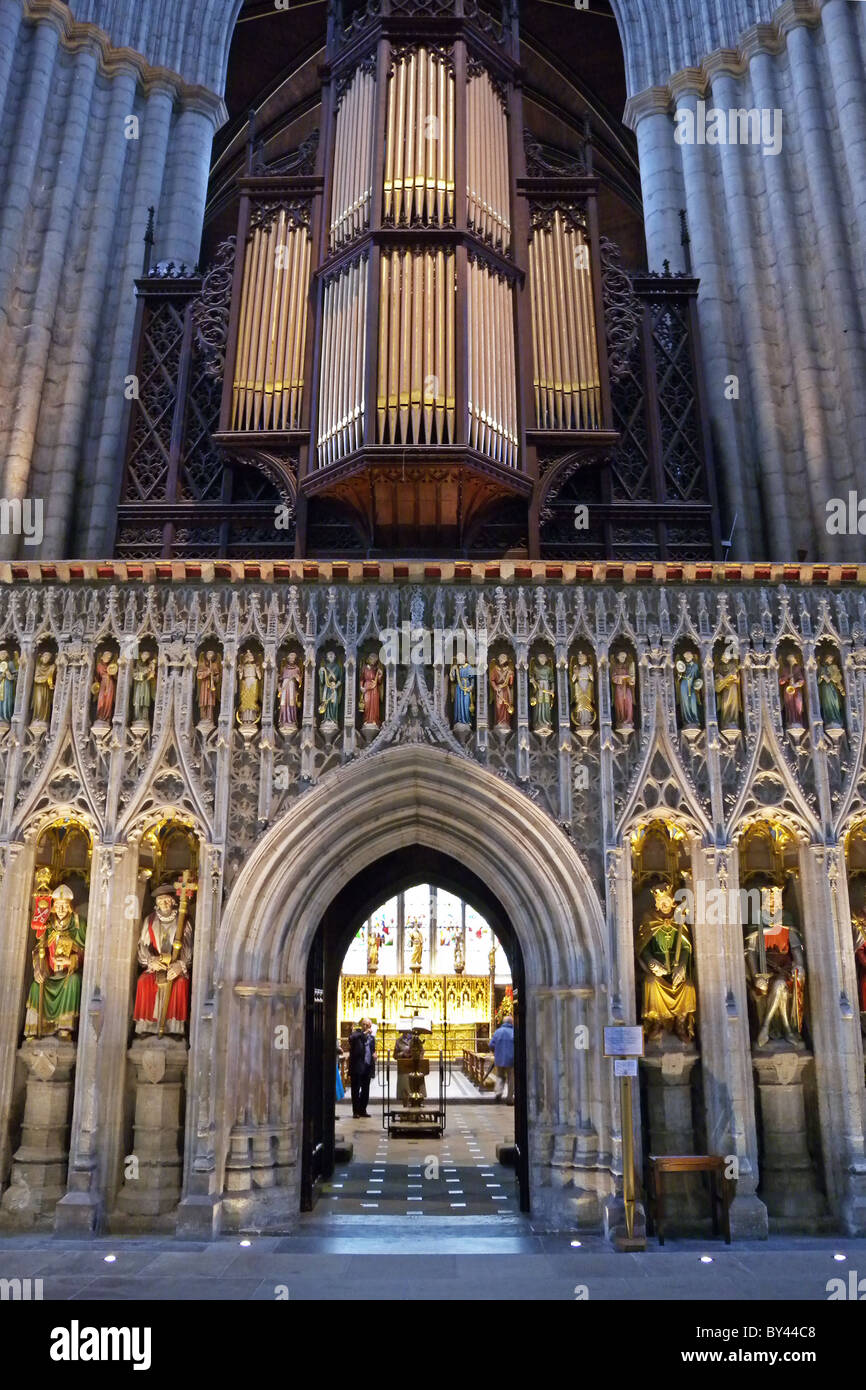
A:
{"points": [[54, 1001], [165, 955]]}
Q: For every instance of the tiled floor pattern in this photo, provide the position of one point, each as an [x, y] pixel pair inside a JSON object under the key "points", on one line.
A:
{"points": [[452, 1176]]}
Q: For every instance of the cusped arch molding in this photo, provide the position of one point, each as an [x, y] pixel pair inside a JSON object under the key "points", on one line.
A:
{"points": [[427, 797]]}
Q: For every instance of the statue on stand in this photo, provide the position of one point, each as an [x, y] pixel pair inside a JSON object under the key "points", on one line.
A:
{"points": [[541, 694], [502, 692], [250, 675], [143, 691], [415, 941], [462, 677], [831, 694], [54, 1001], [165, 955], [209, 685], [459, 954], [623, 683], [8, 685], [291, 685], [665, 957], [729, 699], [792, 683], [374, 941], [582, 694], [42, 697], [372, 683], [690, 687], [105, 689], [776, 972], [330, 693]]}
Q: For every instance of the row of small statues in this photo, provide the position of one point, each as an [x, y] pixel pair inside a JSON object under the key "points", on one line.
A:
{"points": [[775, 971], [463, 680], [164, 957]]}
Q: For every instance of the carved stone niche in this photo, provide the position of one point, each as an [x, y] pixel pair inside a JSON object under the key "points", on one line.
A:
{"points": [[40, 1163], [153, 1170]]}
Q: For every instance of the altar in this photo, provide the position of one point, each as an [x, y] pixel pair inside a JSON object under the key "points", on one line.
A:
{"points": [[458, 1006]]}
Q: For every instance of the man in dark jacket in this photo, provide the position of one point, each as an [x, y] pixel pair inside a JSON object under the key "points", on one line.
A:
{"points": [[362, 1064], [502, 1047]]}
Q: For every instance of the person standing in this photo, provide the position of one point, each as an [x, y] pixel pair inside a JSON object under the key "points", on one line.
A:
{"points": [[502, 1047], [362, 1064]]}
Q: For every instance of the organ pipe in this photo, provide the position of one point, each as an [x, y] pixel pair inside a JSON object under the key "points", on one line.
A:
{"points": [[419, 141], [487, 187], [343, 359], [269, 367], [565, 350], [492, 386], [416, 387], [353, 160]]}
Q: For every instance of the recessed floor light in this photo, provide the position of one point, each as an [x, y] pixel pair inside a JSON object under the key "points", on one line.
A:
{"points": [[246, 1242], [706, 1259], [576, 1243], [840, 1257], [110, 1259]]}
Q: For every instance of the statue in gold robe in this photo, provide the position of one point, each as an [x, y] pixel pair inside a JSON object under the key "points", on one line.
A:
{"points": [[664, 955]]}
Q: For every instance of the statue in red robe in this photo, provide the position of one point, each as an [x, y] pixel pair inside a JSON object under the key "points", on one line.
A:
{"points": [[166, 965]]}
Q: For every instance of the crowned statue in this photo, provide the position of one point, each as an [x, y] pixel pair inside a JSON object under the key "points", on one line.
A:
{"points": [[541, 694], [54, 1001], [665, 957], [165, 958], [291, 685], [582, 679], [8, 685], [250, 675], [776, 972]]}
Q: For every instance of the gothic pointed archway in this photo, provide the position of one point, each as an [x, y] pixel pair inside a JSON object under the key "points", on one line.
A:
{"points": [[371, 819]]}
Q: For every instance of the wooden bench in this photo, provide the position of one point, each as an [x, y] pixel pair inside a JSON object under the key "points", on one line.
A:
{"points": [[720, 1189], [475, 1065]]}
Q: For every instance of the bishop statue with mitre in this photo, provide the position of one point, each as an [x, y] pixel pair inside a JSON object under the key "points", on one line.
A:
{"points": [[165, 953]]}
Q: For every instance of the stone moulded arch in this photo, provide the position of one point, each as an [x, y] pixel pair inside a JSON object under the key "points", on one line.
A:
{"points": [[418, 795]]}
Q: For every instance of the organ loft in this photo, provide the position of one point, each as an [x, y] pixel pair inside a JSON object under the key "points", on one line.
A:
{"points": [[419, 337]]}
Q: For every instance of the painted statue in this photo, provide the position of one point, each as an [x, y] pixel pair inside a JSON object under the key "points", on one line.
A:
{"points": [[502, 691], [623, 683], [729, 699], [415, 941], [582, 692], [291, 685], [330, 690], [541, 693], [8, 684], [664, 955], [462, 678], [165, 958], [374, 941], [54, 1001], [831, 692], [792, 684], [42, 697], [143, 688], [690, 688], [105, 686], [775, 972], [372, 683], [209, 684], [250, 675]]}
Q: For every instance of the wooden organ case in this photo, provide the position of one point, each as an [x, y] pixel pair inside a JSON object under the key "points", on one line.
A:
{"points": [[430, 348]]}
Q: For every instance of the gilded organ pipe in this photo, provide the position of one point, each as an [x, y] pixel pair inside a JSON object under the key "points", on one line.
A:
{"points": [[487, 181], [343, 359], [492, 388], [269, 365], [415, 382], [419, 142], [565, 349]]}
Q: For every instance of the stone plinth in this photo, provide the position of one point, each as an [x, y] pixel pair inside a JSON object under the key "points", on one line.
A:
{"points": [[39, 1165], [668, 1071], [789, 1184], [153, 1171]]}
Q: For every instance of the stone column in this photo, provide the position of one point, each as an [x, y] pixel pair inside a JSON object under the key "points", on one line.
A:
{"points": [[153, 1171], [669, 1073], [38, 1178], [16, 943], [788, 1181]]}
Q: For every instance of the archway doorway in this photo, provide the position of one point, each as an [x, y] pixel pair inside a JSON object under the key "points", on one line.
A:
{"points": [[396, 875]]}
